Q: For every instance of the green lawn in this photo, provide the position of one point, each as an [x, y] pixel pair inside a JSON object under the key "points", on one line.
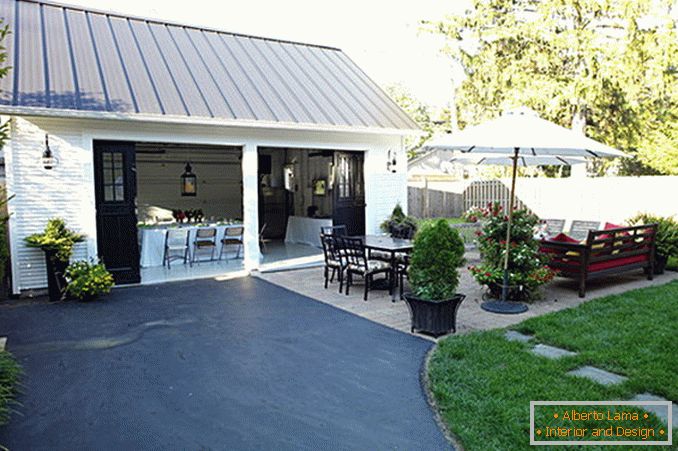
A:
{"points": [[9, 374], [455, 220], [483, 384]]}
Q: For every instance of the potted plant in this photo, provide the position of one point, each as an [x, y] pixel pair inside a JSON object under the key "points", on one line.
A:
{"points": [[57, 243], [527, 266], [87, 280], [399, 224], [666, 240], [434, 277]]}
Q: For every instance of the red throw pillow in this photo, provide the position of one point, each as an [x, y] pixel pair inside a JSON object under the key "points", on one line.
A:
{"points": [[609, 225], [562, 238]]}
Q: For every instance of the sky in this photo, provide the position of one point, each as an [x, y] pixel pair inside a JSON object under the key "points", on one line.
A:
{"points": [[382, 36]]}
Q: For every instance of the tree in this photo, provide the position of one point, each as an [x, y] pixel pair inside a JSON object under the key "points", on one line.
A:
{"points": [[4, 70], [605, 66], [421, 114], [4, 135]]}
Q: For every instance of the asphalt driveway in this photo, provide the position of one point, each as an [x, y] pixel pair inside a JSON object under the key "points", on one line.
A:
{"points": [[240, 364]]}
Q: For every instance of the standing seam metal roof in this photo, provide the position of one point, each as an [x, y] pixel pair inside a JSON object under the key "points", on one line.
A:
{"points": [[69, 58]]}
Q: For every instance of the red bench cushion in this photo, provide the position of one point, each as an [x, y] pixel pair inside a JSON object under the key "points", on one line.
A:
{"points": [[617, 263], [574, 264]]}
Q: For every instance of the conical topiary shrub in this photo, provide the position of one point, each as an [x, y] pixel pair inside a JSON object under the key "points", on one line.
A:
{"points": [[434, 277]]}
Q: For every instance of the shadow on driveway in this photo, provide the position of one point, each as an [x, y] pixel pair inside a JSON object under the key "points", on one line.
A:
{"points": [[240, 364]]}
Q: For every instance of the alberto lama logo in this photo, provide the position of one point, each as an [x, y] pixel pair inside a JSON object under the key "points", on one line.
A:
{"points": [[594, 415], [600, 423], [609, 415]]}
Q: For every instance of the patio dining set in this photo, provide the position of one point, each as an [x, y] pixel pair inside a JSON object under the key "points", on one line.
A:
{"points": [[366, 256]]}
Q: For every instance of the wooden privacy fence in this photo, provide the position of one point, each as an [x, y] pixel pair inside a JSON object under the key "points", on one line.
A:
{"points": [[482, 192], [612, 199], [432, 203], [428, 203]]}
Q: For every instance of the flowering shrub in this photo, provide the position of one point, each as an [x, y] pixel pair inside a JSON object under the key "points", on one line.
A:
{"points": [[527, 266], [473, 214], [88, 280]]}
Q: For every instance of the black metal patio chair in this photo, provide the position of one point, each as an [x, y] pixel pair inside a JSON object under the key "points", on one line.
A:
{"points": [[333, 261], [353, 252]]}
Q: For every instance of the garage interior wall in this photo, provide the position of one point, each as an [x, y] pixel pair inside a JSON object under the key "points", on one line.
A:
{"points": [[219, 180]]}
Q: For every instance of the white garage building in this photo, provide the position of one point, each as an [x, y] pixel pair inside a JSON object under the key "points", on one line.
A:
{"points": [[145, 121]]}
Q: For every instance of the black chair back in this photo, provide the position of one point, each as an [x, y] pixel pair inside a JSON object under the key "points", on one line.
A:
{"points": [[330, 251], [353, 251]]}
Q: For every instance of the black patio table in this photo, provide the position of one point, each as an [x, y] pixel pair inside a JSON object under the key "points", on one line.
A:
{"points": [[392, 246]]}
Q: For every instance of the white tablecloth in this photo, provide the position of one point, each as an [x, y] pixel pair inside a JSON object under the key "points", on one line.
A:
{"points": [[303, 230], [153, 243]]}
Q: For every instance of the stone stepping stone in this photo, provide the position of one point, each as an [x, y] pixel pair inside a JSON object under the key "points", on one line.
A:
{"points": [[512, 335], [551, 352], [597, 375], [660, 411]]}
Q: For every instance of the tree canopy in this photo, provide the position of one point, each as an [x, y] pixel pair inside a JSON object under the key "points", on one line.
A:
{"points": [[421, 113], [608, 67]]}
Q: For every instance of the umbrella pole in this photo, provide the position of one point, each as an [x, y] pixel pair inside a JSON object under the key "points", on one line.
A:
{"points": [[502, 306], [505, 285]]}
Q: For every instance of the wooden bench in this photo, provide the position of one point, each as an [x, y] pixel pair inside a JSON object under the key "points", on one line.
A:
{"points": [[604, 252]]}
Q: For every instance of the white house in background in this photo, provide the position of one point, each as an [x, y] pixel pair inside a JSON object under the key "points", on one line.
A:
{"points": [[272, 130]]}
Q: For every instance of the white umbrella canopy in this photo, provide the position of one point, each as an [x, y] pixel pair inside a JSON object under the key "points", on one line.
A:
{"points": [[517, 134], [523, 129], [523, 161]]}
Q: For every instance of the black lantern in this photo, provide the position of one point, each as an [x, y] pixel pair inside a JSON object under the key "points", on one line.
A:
{"points": [[391, 162], [48, 159], [189, 182]]}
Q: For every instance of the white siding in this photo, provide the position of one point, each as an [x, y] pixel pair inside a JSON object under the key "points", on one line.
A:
{"points": [[68, 190], [384, 189], [39, 194]]}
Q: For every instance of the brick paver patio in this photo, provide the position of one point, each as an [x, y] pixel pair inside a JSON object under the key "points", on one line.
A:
{"points": [[558, 295]]}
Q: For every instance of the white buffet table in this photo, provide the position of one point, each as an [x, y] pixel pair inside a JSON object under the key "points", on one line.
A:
{"points": [[153, 242], [303, 230]]}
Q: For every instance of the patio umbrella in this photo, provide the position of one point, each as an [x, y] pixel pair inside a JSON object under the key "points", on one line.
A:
{"points": [[523, 161], [517, 134]]}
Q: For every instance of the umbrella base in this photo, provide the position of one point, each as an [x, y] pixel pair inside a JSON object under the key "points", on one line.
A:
{"points": [[504, 307]]}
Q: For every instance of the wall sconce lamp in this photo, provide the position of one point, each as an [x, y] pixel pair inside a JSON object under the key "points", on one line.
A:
{"points": [[189, 182], [391, 162], [48, 159]]}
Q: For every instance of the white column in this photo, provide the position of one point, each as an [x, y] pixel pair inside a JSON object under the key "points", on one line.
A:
{"points": [[250, 205]]}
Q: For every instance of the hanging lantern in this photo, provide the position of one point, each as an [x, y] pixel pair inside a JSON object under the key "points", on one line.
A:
{"points": [[189, 182], [48, 158], [391, 162]]}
